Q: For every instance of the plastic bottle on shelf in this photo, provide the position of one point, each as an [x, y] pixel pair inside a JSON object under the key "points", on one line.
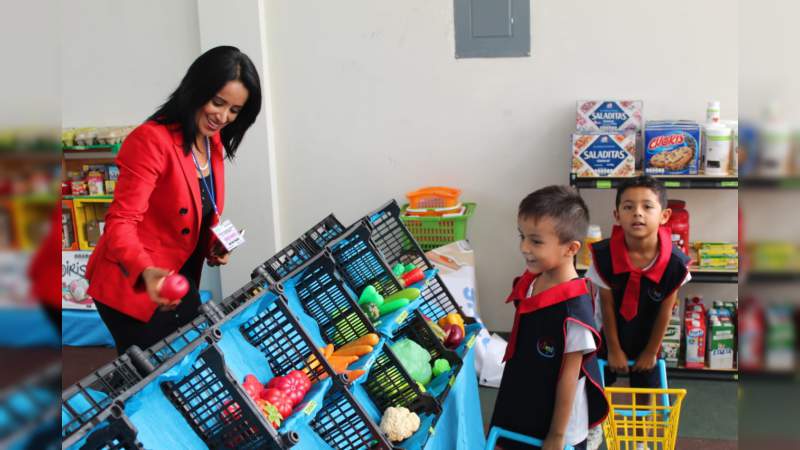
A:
{"points": [[713, 112], [679, 223], [718, 149], [594, 234]]}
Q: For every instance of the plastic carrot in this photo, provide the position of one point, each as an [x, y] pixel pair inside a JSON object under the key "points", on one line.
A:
{"points": [[367, 339], [353, 375], [353, 350], [340, 363]]}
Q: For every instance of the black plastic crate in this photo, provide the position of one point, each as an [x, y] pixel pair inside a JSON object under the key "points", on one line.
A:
{"points": [[117, 434], [285, 261], [360, 262], [286, 345], [224, 307], [322, 233], [217, 407], [29, 410], [398, 246], [388, 384], [324, 296], [82, 408], [146, 361], [419, 332], [344, 425]]}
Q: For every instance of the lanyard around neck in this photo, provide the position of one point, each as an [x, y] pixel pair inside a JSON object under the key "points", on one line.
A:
{"points": [[209, 189]]}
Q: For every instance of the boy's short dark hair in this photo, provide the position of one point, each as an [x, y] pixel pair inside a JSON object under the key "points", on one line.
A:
{"points": [[644, 181], [564, 205]]}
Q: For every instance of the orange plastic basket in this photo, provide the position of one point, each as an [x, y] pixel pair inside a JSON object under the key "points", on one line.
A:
{"points": [[433, 197]]}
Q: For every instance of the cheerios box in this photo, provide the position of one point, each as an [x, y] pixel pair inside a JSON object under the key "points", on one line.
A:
{"points": [[603, 154], [609, 115], [671, 147]]}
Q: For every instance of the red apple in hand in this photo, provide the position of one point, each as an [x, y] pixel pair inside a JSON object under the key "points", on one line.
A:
{"points": [[174, 287]]}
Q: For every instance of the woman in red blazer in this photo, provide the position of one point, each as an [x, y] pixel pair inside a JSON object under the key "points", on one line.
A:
{"points": [[170, 192]]}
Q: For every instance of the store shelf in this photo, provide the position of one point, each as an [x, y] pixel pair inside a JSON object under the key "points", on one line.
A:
{"points": [[698, 276], [670, 181], [703, 374], [786, 183], [88, 197], [762, 277]]}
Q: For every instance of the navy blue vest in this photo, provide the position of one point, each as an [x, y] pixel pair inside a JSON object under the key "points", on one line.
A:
{"points": [[527, 396], [634, 335]]}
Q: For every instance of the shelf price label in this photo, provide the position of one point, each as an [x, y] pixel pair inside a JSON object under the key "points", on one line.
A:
{"points": [[672, 184], [729, 184], [603, 184]]}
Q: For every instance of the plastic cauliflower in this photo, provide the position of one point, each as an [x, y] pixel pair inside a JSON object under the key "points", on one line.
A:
{"points": [[399, 423]]}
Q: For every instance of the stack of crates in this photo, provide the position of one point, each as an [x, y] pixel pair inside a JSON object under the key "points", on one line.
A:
{"points": [[324, 269]]}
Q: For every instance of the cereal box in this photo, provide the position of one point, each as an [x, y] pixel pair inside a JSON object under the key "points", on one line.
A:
{"points": [[671, 148], [603, 154], [609, 115]]}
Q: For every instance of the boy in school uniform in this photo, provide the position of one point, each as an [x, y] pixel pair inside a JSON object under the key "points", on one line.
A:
{"points": [[551, 383], [638, 272]]}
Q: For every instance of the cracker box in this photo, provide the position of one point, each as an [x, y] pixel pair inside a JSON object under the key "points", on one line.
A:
{"points": [[609, 115], [671, 344], [603, 154], [671, 148]]}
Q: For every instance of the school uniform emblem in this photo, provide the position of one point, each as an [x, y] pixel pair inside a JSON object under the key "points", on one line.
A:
{"points": [[546, 347], [656, 294]]}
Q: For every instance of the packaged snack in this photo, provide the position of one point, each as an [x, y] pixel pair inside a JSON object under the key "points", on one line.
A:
{"points": [[609, 115], [780, 342], [95, 183], [603, 154], [112, 172], [78, 187], [671, 148], [718, 255], [111, 185]]}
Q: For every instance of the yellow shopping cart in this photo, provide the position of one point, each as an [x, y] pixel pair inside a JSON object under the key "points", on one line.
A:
{"points": [[645, 416]]}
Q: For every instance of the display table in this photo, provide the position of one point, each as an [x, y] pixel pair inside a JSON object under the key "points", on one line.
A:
{"points": [[84, 328], [26, 327]]}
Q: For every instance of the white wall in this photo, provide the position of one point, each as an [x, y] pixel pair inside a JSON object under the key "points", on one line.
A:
{"points": [[370, 103], [120, 60]]}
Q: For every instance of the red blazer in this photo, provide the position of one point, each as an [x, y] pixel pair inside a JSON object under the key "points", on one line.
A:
{"points": [[154, 219]]}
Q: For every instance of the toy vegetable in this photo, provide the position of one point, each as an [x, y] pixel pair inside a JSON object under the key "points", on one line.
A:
{"points": [[252, 386], [410, 293], [394, 305], [399, 423], [372, 311], [370, 295], [454, 336], [270, 412], [415, 359], [412, 277], [440, 366], [279, 399], [453, 318]]}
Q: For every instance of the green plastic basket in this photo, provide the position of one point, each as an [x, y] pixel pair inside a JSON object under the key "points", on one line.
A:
{"points": [[431, 232]]}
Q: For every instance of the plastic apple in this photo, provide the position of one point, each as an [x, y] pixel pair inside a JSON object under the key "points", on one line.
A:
{"points": [[174, 287]]}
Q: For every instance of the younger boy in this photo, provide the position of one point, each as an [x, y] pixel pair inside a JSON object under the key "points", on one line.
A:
{"points": [[550, 388], [638, 271]]}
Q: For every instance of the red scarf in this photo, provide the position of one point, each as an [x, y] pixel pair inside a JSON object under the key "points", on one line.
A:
{"points": [[621, 263], [554, 295]]}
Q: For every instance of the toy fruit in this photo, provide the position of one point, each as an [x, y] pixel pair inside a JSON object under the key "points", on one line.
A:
{"points": [[279, 399], [454, 336], [415, 359], [437, 330], [291, 386], [174, 287], [440, 366], [370, 295]]}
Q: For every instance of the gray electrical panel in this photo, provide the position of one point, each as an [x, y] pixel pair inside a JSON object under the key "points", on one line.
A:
{"points": [[492, 28]]}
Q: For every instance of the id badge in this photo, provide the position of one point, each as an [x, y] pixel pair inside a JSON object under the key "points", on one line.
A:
{"points": [[227, 235]]}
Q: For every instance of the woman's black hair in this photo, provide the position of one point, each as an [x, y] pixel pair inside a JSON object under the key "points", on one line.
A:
{"points": [[207, 75]]}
